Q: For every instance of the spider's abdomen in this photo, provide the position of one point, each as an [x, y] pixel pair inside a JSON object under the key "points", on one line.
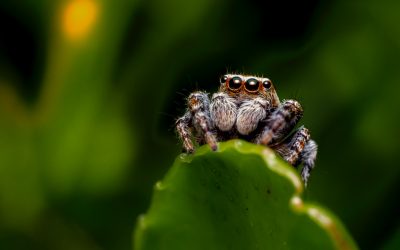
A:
{"points": [[223, 111]]}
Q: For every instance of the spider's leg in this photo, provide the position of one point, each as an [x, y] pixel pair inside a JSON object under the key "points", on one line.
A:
{"points": [[250, 113], [223, 111], [308, 157], [199, 104], [280, 122], [292, 147], [297, 149], [183, 130]]}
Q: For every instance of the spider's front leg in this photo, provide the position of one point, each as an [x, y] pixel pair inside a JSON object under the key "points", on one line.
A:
{"points": [[183, 129], [291, 148], [308, 157], [199, 107], [280, 122], [297, 149], [198, 117]]}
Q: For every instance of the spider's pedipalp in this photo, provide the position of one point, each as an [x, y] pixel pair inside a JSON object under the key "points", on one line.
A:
{"points": [[250, 113], [223, 111], [280, 122]]}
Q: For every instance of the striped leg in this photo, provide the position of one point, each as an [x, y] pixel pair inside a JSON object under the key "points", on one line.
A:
{"points": [[183, 130], [299, 149], [292, 147], [201, 121], [308, 157], [280, 122], [199, 106]]}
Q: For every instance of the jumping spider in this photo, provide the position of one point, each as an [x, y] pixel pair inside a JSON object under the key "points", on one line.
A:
{"points": [[248, 107]]}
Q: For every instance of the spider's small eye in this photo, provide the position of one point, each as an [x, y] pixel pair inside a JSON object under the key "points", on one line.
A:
{"points": [[267, 84], [235, 83], [223, 79], [252, 85]]}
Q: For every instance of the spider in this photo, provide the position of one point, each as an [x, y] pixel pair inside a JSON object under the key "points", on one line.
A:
{"points": [[248, 107]]}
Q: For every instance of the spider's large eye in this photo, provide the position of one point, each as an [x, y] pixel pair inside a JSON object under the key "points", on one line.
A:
{"points": [[223, 79], [267, 84], [235, 83], [252, 85]]}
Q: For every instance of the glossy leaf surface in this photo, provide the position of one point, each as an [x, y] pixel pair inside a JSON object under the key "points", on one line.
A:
{"points": [[241, 197]]}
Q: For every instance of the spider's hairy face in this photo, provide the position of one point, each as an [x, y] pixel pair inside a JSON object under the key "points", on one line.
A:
{"points": [[249, 87]]}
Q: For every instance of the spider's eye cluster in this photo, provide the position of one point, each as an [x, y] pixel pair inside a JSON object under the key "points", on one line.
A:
{"points": [[235, 83], [251, 85]]}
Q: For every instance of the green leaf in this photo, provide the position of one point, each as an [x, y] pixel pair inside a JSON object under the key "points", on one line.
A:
{"points": [[241, 197]]}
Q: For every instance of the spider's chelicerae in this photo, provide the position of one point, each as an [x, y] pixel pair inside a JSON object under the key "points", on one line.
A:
{"points": [[248, 107]]}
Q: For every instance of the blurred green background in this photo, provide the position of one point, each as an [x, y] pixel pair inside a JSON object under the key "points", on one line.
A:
{"points": [[90, 89]]}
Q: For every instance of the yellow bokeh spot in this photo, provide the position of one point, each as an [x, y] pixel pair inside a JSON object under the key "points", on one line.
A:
{"points": [[79, 17]]}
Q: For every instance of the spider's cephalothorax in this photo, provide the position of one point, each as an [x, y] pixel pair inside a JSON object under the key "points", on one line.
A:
{"points": [[248, 107]]}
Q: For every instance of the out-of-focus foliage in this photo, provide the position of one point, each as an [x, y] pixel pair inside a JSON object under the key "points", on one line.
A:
{"points": [[89, 90], [241, 197]]}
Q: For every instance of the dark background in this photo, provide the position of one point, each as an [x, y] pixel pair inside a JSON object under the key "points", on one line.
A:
{"points": [[87, 106]]}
